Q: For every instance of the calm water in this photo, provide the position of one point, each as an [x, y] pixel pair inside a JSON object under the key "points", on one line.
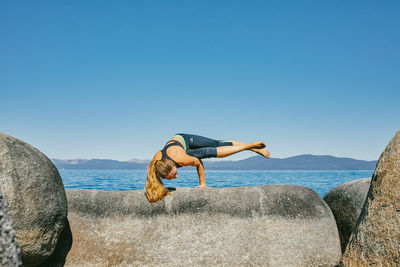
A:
{"points": [[320, 181]]}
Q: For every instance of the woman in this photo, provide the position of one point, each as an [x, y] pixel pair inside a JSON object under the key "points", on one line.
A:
{"points": [[188, 150]]}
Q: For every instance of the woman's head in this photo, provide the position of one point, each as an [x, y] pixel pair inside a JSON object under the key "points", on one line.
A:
{"points": [[164, 168]]}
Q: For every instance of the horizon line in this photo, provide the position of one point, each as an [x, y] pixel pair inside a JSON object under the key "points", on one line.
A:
{"points": [[214, 160]]}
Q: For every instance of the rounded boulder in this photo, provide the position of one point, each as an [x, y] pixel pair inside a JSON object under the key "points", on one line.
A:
{"points": [[376, 239], [274, 225], [346, 202], [36, 198]]}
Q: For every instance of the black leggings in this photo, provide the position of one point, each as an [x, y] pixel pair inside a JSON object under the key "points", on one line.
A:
{"points": [[202, 147]]}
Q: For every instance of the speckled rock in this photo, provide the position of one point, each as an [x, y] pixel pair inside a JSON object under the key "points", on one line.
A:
{"points": [[10, 253], [277, 225], [346, 202], [36, 198], [64, 244], [376, 239]]}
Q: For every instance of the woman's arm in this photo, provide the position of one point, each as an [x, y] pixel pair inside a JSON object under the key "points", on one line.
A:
{"points": [[193, 161], [200, 172]]}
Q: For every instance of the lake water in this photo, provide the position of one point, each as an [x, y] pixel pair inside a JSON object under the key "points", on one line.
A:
{"points": [[319, 181]]}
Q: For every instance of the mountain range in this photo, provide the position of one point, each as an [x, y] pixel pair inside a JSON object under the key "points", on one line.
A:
{"points": [[300, 162]]}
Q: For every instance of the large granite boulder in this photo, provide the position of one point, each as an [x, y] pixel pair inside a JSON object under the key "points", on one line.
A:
{"points": [[10, 254], [376, 239], [64, 244], [346, 202], [35, 196], [276, 225]]}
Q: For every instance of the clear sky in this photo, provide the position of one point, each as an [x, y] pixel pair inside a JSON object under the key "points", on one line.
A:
{"points": [[116, 79]]}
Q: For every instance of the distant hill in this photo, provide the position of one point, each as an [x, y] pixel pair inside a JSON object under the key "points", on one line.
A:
{"points": [[100, 164], [301, 162]]}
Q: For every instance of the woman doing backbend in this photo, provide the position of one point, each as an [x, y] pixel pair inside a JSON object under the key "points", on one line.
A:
{"points": [[188, 150]]}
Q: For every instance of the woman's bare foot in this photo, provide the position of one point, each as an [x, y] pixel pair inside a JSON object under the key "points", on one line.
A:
{"points": [[257, 145], [263, 152]]}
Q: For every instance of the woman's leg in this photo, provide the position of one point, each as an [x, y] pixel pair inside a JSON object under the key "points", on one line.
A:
{"points": [[196, 141], [202, 147], [261, 151], [224, 151]]}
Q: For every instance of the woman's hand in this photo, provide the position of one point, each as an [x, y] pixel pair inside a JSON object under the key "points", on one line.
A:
{"points": [[202, 186]]}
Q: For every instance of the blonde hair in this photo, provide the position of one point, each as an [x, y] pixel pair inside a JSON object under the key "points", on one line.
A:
{"points": [[155, 189]]}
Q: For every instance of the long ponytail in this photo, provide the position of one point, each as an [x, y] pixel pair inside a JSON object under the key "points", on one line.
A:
{"points": [[155, 189]]}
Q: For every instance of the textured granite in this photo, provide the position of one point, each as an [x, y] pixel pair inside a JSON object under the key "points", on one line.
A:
{"points": [[376, 239], [277, 225], [346, 202], [36, 198], [10, 253]]}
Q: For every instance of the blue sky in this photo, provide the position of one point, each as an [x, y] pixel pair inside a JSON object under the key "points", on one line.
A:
{"points": [[116, 79]]}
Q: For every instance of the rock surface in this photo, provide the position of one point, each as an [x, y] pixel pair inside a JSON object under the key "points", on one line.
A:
{"points": [[64, 244], [346, 202], [35, 194], [376, 240], [277, 225], [10, 254]]}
